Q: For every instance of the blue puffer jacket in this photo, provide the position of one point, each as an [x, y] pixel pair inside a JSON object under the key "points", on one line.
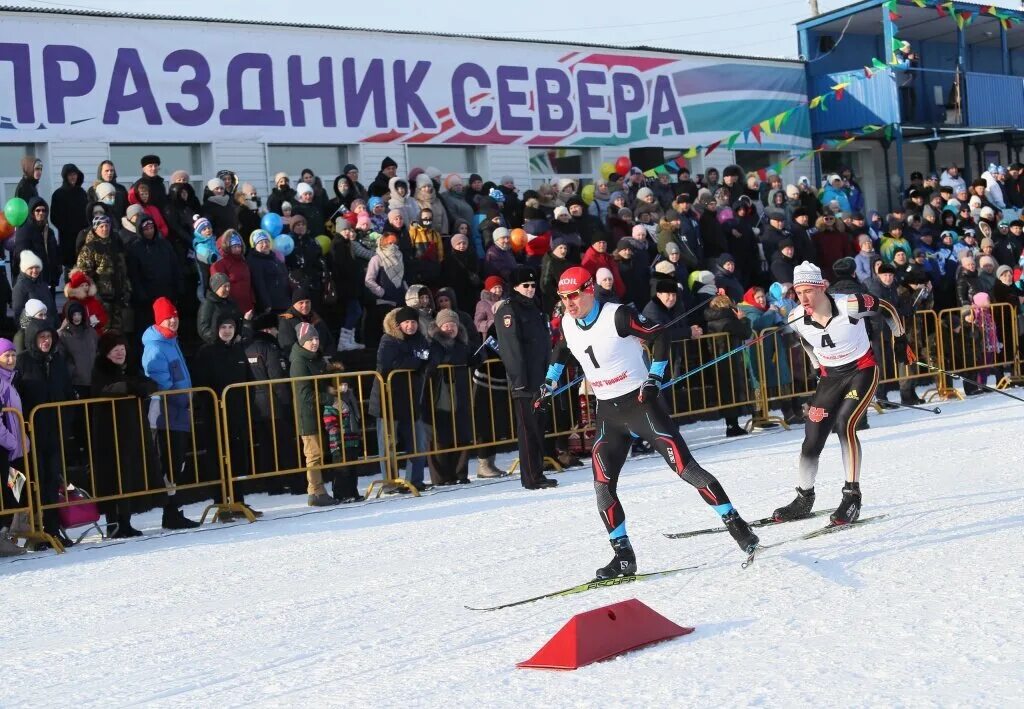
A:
{"points": [[163, 362]]}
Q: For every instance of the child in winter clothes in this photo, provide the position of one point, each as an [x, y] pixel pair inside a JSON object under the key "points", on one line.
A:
{"points": [[204, 243], [341, 424], [491, 295], [80, 289], [80, 342]]}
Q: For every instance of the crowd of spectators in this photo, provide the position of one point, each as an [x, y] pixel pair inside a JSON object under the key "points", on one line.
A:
{"points": [[165, 289]]}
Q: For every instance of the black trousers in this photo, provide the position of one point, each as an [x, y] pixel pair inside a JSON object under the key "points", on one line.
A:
{"points": [[838, 403], [618, 420], [530, 430]]}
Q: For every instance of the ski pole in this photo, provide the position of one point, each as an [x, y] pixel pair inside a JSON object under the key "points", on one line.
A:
{"points": [[717, 359], [965, 379], [930, 410], [566, 387]]}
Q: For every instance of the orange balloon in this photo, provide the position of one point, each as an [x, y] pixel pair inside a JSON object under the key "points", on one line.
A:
{"points": [[6, 229], [518, 240]]}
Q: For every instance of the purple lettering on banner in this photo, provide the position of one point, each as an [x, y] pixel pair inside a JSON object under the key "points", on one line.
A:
{"points": [[509, 99], [127, 64], [548, 100], [322, 89], [665, 108], [198, 87], [358, 96], [476, 122], [236, 114], [21, 67], [57, 87], [627, 98], [588, 101], [406, 98]]}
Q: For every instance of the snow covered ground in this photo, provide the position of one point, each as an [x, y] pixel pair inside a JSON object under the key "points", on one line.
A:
{"points": [[363, 605]]}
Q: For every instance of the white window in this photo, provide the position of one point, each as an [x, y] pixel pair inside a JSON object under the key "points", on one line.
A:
{"points": [[127, 156], [326, 162], [551, 164], [10, 168], [445, 158]]}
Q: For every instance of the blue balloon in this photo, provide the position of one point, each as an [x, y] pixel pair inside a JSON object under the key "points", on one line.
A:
{"points": [[283, 244], [272, 223]]}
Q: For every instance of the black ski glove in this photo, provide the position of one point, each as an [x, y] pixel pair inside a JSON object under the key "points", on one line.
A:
{"points": [[901, 349], [649, 389]]}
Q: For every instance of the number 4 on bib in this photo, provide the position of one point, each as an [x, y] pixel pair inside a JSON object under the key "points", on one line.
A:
{"points": [[826, 341]]}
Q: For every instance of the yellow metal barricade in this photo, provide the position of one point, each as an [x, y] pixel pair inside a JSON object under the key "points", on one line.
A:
{"points": [[784, 371], [107, 447], [978, 342], [723, 387], [312, 425], [22, 523], [923, 337]]}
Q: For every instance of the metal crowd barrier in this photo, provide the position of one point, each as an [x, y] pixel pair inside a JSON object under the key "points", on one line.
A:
{"points": [[20, 512], [982, 340], [264, 433], [108, 448]]}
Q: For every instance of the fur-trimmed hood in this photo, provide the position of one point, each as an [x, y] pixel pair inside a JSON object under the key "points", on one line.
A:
{"points": [[85, 290]]}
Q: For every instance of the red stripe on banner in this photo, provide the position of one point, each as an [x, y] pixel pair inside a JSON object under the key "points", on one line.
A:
{"points": [[391, 135], [639, 63]]}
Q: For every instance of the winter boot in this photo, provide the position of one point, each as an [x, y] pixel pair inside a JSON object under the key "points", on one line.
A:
{"points": [[798, 508], [174, 519], [624, 563], [849, 509], [734, 431], [485, 468], [347, 340], [320, 500], [740, 531]]}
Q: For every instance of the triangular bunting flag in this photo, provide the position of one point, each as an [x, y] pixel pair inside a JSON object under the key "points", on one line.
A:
{"points": [[815, 102], [944, 8], [888, 132], [756, 131], [790, 160], [711, 148], [868, 73], [650, 174], [763, 174], [680, 162], [765, 126], [732, 140], [894, 16], [691, 153], [988, 9], [877, 63], [920, 3]]}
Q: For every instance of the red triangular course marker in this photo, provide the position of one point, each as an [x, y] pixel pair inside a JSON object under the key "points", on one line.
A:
{"points": [[603, 633]]}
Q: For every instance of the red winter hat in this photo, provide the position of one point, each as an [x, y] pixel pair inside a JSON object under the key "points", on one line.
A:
{"points": [[78, 279], [492, 281], [163, 309], [575, 280]]}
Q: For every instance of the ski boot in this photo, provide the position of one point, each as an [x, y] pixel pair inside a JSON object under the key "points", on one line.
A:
{"points": [[798, 508], [624, 563], [740, 531], [849, 509]]}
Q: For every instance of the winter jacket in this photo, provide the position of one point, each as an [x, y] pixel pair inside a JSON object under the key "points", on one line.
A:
{"points": [[865, 265], [38, 239], [79, 342], [220, 364], [28, 288], [397, 351], [832, 245], [890, 244], [380, 284], [461, 271], [212, 311], [28, 186], [782, 268], [269, 279], [67, 211], [157, 194], [303, 363], [237, 270], [831, 194], [180, 211], [267, 361], [592, 261], [466, 322], [152, 207], [551, 269], [287, 334], [483, 318], [103, 260], [729, 282], [278, 197], [457, 207], [164, 363], [11, 440], [499, 263], [153, 270], [524, 344], [656, 312], [42, 378]]}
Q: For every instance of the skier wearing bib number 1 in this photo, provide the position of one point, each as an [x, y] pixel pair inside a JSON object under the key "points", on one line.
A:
{"points": [[606, 342], [833, 333]]}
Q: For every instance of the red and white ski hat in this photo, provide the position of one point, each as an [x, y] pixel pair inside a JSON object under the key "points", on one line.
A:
{"points": [[575, 280], [807, 274]]}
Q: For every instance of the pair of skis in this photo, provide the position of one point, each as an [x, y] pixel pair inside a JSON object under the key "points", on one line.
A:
{"points": [[621, 580]]}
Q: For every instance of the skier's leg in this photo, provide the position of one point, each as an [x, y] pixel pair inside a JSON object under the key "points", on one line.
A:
{"points": [[652, 422], [609, 453], [821, 416], [848, 414]]}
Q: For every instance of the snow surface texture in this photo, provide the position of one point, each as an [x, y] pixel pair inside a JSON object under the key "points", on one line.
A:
{"points": [[363, 605]]}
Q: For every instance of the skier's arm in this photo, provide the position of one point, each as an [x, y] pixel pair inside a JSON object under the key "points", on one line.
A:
{"points": [[868, 306], [560, 355], [628, 323]]}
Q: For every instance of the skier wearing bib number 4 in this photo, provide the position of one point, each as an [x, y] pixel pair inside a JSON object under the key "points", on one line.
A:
{"points": [[833, 333], [605, 339]]}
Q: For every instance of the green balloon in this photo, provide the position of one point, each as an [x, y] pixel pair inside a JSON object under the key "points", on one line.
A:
{"points": [[325, 243], [16, 211]]}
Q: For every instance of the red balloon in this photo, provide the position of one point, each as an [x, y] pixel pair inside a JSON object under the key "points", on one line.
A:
{"points": [[623, 165], [6, 229]]}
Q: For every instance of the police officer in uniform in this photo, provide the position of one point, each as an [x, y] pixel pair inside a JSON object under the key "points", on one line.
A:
{"points": [[524, 345]]}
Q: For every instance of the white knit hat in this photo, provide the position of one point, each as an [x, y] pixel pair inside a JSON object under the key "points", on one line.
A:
{"points": [[34, 308], [807, 274], [603, 273], [27, 260]]}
